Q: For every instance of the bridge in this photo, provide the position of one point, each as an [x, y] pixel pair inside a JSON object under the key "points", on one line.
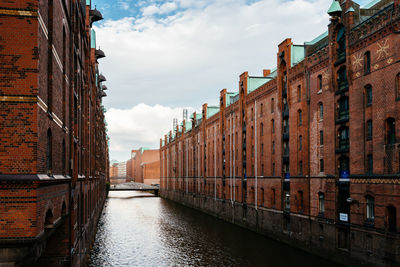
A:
{"points": [[132, 186]]}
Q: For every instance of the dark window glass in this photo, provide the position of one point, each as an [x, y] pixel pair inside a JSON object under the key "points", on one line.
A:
{"points": [[301, 167], [321, 138], [370, 164], [321, 165], [368, 92], [390, 131], [299, 93], [300, 117], [367, 62], [319, 82], [300, 142], [369, 130], [321, 111]]}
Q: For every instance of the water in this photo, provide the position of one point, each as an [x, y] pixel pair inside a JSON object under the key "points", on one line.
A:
{"points": [[149, 231]]}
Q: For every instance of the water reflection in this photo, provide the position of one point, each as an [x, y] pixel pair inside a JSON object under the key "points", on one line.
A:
{"points": [[147, 231]]}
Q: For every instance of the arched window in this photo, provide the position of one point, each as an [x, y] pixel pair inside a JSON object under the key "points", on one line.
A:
{"points": [[341, 43], [321, 111], [367, 62], [321, 203], [370, 207], [319, 78], [321, 138], [299, 93], [261, 129], [273, 147], [261, 110], [368, 95], [390, 131], [49, 219], [391, 222], [49, 152], [300, 117]]}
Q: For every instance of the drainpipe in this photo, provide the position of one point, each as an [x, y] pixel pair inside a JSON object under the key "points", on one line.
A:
{"points": [[234, 159], [230, 154]]}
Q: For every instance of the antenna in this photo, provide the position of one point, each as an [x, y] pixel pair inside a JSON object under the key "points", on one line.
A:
{"points": [[185, 114]]}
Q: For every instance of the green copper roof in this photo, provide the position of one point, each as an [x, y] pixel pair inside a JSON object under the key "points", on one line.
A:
{"points": [[142, 149], [93, 39], [297, 54], [255, 82], [88, 2], [211, 111], [317, 39], [188, 126], [335, 7], [371, 4]]}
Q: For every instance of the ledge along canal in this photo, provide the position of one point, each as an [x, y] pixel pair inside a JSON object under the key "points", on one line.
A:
{"points": [[135, 230]]}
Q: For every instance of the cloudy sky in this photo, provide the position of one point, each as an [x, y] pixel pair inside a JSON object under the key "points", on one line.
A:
{"points": [[167, 55]]}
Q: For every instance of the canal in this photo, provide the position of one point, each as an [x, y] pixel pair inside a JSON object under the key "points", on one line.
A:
{"points": [[147, 231]]}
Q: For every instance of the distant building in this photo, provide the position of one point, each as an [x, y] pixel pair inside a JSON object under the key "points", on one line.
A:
{"points": [[144, 166]]}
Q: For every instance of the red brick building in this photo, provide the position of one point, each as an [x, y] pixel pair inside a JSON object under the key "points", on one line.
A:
{"points": [[144, 166], [53, 143], [311, 147]]}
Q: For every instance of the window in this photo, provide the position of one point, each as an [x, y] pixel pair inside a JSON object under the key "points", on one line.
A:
{"points": [[367, 62], [261, 129], [321, 203], [344, 138], [300, 118], [390, 131], [321, 111], [343, 109], [391, 224], [261, 110], [342, 79], [300, 142], [319, 83], [341, 43], [321, 165], [368, 93], [252, 114], [301, 167], [370, 208], [321, 138], [370, 164], [262, 171], [287, 201], [262, 149], [49, 152], [273, 147], [369, 130], [299, 93], [273, 171], [273, 126], [272, 105]]}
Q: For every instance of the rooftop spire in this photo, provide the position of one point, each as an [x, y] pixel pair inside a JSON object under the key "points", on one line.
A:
{"points": [[335, 9]]}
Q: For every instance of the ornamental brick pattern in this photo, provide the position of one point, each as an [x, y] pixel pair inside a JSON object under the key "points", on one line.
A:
{"points": [[313, 145], [53, 143]]}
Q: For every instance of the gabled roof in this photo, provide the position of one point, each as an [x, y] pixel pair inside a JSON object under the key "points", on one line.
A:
{"points": [[211, 111]]}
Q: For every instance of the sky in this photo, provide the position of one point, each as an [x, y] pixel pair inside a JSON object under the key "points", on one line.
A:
{"points": [[163, 56]]}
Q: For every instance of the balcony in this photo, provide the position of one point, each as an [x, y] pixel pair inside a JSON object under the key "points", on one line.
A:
{"points": [[341, 57], [286, 135], [343, 86], [344, 145], [343, 116], [285, 111]]}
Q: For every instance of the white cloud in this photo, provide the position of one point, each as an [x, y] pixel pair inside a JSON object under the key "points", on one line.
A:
{"points": [[139, 126], [186, 58]]}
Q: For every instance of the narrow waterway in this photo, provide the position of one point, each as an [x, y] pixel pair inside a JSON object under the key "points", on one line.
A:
{"points": [[148, 231]]}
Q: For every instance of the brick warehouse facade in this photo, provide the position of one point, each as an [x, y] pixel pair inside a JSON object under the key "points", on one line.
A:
{"points": [[53, 142], [309, 153]]}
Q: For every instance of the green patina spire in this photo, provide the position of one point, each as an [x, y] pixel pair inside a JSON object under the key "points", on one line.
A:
{"points": [[335, 9]]}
